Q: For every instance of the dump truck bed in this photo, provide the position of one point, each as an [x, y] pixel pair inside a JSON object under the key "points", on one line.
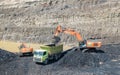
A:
{"points": [[52, 48]]}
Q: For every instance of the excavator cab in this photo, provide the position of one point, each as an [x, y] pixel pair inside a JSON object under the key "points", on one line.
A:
{"points": [[82, 44], [23, 49]]}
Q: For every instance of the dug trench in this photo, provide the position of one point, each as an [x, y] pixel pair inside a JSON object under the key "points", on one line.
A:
{"points": [[74, 62]]}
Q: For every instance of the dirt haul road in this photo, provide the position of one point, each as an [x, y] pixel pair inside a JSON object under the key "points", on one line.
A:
{"points": [[72, 63]]}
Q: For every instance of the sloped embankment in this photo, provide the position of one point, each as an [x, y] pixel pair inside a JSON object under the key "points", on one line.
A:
{"points": [[6, 56]]}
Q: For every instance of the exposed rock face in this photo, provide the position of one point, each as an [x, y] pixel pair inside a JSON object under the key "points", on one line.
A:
{"points": [[35, 20]]}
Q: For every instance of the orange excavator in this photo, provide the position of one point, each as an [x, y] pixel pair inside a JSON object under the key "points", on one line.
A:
{"points": [[23, 49], [89, 44]]}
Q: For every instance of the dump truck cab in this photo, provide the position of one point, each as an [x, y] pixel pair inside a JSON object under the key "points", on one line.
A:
{"points": [[47, 52], [40, 55]]}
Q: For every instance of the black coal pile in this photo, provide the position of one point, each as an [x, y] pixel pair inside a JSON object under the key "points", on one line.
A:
{"points": [[77, 59], [6, 56], [72, 63], [111, 49], [78, 63]]}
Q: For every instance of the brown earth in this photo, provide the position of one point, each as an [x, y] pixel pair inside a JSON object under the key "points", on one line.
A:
{"points": [[35, 20]]}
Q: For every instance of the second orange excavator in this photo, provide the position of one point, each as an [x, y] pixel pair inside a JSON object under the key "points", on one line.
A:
{"points": [[23, 49], [89, 44]]}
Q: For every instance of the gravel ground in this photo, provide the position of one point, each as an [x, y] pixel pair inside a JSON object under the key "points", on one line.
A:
{"points": [[72, 63]]}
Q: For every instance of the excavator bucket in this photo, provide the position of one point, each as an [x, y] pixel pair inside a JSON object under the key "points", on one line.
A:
{"points": [[22, 46], [56, 39]]}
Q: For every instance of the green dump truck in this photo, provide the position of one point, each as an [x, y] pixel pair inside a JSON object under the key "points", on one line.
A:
{"points": [[47, 52]]}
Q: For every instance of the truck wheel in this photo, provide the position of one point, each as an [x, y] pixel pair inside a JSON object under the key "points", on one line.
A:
{"points": [[56, 57], [59, 56], [46, 62], [20, 54], [89, 50]]}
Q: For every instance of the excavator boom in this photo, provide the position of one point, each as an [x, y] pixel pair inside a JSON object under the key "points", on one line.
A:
{"points": [[67, 31], [78, 36]]}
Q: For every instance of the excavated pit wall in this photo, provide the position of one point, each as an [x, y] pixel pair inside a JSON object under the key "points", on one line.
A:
{"points": [[45, 34], [35, 22]]}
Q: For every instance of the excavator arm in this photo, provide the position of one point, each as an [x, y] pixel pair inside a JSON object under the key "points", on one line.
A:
{"points": [[76, 34], [67, 31]]}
